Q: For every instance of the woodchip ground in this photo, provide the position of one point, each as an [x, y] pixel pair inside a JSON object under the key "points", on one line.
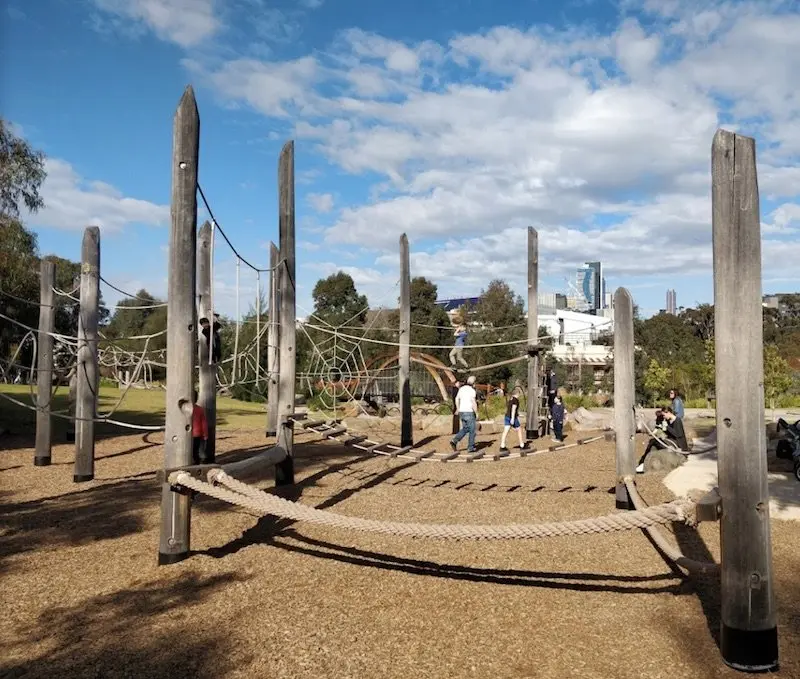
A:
{"points": [[82, 595]]}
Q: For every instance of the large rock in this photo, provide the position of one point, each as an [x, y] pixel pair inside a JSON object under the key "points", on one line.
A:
{"points": [[586, 420], [663, 460]]}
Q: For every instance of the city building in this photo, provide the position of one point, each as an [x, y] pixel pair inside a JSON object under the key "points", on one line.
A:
{"points": [[672, 304], [549, 302], [590, 289]]}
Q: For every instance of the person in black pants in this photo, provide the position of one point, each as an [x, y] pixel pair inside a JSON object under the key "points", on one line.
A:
{"points": [[557, 413], [675, 432], [216, 349]]}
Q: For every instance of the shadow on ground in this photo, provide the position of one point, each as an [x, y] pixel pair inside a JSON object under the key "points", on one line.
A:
{"points": [[116, 635]]}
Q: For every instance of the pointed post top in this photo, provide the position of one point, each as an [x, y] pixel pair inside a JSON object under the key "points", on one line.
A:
{"points": [[533, 232], [91, 234], [187, 106], [273, 247], [205, 230], [403, 239], [288, 147], [622, 296]]}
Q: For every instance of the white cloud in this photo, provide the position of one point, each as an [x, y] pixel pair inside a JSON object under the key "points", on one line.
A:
{"points": [[185, 22], [73, 203], [598, 137], [321, 202]]}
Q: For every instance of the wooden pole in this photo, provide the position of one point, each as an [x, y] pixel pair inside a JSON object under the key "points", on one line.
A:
{"points": [[44, 365], [284, 471], [749, 638], [624, 394], [207, 394], [532, 423], [273, 339], [404, 360], [88, 375], [181, 327]]}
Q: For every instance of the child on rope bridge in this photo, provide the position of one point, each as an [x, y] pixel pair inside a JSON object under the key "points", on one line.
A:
{"points": [[199, 434], [512, 420], [457, 352]]}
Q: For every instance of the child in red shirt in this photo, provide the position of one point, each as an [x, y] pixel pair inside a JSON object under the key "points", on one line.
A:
{"points": [[199, 433]]}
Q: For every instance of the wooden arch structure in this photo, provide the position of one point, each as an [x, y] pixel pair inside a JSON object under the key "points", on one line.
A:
{"points": [[432, 364]]}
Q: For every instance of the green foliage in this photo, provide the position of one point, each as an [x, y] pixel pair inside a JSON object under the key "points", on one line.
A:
{"points": [[22, 174], [337, 302], [777, 377], [499, 317], [656, 379]]}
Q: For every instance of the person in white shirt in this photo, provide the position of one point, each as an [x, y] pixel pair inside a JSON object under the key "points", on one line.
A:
{"points": [[467, 408]]}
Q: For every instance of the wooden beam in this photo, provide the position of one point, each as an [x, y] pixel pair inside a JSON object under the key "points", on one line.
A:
{"points": [[624, 395], [284, 472], [207, 396], [88, 376], [532, 419], [404, 360], [181, 326], [749, 637], [273, 339], [44, 365]]}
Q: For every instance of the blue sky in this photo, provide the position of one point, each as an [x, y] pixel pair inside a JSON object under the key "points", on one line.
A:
{"points": [[459, 122]]}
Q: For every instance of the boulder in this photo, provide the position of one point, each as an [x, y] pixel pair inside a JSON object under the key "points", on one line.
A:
{"points": [[585, 420], [663, 460]]}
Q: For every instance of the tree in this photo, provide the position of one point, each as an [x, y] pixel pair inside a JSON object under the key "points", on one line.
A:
{"points": [[22, 173], [499, 318], [777, 375], [337, 302], [700, 320], [656, 379]]}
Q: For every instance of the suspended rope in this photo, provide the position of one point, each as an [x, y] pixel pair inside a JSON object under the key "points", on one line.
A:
{"points": [[211, 293], [258, 327], [235, 371]]}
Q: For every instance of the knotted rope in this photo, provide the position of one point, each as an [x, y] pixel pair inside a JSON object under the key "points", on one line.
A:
{"points": [[244, 495]]}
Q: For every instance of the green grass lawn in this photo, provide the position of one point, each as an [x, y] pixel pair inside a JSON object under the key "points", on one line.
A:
{"points": [[143, 407]]}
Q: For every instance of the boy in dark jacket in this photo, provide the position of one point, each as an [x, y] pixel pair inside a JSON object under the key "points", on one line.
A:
{"points": [[558, 413]]}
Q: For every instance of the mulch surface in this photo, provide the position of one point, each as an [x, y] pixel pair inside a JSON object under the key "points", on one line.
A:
{"points": [[82, 595]]}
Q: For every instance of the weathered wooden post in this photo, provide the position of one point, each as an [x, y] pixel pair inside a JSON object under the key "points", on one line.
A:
{"points": [[181, 327], [273, 340], [404, 360], [532, 420], [624, 394], [207, 394], [44, 365], [284, 471], [87, 373], [749, 638]]}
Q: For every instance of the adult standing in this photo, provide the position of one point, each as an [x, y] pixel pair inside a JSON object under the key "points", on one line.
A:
{"points": [[467, 408]]}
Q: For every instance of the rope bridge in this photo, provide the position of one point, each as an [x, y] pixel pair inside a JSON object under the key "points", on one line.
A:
{"points": [[224, 487], [335, 430]]}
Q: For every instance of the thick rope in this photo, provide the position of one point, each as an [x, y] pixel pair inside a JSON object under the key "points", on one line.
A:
{"points": [[264, 503], [671, 551]]}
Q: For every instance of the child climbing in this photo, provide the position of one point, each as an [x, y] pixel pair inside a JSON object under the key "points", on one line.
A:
{"points": [[457, 352], [216, 345], [199, 433]]}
